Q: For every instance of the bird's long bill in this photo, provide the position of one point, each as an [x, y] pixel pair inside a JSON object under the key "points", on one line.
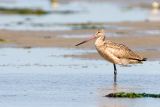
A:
{"points": [[91, 38]]}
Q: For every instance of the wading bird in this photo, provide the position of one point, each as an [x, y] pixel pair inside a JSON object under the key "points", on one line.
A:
{"points": [[114, 52]]}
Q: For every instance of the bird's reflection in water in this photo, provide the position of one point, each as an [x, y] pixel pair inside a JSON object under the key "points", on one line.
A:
{"points": [[114, 87], [112, 102]]}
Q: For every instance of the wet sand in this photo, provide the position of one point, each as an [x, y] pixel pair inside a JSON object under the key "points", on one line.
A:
{"points": [[42, 77], [139, 36]]}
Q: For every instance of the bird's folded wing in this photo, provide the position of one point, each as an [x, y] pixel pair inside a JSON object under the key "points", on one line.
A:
{"points": [[122, 51]]}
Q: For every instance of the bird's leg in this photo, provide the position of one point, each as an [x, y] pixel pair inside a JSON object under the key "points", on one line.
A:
{"points": [[115, 73]]}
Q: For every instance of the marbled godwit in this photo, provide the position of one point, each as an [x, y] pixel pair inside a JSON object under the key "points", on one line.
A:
{"points": [[114, 52]]}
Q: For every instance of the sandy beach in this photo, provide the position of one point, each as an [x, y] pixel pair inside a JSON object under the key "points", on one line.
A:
{"points": [[136, 37]]}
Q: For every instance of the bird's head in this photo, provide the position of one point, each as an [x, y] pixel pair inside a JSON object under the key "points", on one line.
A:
{"points": [[99, 33]]}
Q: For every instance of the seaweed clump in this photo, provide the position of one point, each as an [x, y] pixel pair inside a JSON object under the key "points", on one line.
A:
{"points": [[89, 25], [132, 95], [22, 11], [2, 40]]}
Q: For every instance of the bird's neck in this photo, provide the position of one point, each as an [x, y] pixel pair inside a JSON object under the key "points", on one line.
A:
{"points": [[100, 41]]}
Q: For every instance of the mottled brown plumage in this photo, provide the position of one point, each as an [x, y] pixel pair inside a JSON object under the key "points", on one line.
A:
{"points": [[114, 52]]}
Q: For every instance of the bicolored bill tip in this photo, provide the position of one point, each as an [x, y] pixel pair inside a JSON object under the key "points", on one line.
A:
{"points": [[80, 43], [93, 37]]}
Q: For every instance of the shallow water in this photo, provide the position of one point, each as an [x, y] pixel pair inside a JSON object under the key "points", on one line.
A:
{"points": [[44, 77], [72, 12]]}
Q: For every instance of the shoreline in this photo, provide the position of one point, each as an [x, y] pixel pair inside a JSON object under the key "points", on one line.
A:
{"points": [[147, 45]]}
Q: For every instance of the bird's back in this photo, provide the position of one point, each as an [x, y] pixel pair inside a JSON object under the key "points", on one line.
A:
{"points": [[118, 53]]}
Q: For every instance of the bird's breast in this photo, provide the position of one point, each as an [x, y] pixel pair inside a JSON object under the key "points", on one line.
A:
{"points": [[102, 50]]}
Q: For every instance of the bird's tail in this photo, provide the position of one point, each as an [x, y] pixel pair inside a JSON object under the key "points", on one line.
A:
{"points": [[138, 60], [144, 59]]}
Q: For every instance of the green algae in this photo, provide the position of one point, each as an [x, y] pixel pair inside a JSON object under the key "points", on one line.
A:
{"points": [[132, 95], [2, 41], [22, 11], [78, 26]]}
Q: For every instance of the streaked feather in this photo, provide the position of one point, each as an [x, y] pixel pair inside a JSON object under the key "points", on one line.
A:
{"points": [[116, 53], [121, 51]]}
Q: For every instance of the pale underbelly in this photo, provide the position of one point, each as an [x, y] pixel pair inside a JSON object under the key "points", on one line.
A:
{"points": [[106, 56]]}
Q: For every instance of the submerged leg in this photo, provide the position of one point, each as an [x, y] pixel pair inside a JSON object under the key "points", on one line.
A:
{"points": [[115, 73]]}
